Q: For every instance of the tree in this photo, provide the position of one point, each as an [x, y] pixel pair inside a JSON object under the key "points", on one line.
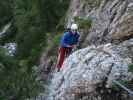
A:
{"points": [[33, 19], [17, 83], [5, 12], [31, 27]]}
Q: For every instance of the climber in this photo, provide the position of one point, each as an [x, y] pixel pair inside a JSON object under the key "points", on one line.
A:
{"points": [[69, 41]]}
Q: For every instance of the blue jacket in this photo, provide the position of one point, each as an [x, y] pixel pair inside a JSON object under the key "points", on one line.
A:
{"points": [[69, 39]]}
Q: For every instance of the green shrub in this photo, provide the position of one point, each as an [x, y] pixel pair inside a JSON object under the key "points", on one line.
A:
{"points": [[33, 21], [53, 43], [118, 88], [56, 39], [115, 87], [94, 3], [84, 23], [17, 82], [60, 26], [5, 12], [130, 68]]}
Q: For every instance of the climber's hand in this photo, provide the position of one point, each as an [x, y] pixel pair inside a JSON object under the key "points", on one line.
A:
{"points": [[73, 46]]}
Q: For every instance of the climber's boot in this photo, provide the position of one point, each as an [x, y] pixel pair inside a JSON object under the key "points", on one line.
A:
{"points": [[58, 69]]}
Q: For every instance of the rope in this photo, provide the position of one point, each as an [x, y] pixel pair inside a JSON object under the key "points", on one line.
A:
{"points": [[122, 86]]}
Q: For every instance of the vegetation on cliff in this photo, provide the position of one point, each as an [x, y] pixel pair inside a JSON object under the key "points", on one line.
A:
{"points": [[31, 21]]}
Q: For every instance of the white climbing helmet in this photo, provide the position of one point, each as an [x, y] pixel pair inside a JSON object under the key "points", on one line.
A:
{"points": [[74, 27]]}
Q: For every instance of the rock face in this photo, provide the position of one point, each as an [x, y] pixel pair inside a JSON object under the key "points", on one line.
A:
{"points": [[88, 69], [112, 19], [88, 72]]}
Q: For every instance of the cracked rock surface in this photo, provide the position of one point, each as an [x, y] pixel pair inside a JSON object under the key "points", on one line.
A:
{"points": [[89, 68], [112, 19]]}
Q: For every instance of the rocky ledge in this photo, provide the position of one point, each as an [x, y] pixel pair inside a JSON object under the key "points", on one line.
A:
{"points": [[88, 71]]}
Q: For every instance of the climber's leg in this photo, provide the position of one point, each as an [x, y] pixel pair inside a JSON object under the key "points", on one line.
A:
{"points": [[58, 59], [61, 57]]}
